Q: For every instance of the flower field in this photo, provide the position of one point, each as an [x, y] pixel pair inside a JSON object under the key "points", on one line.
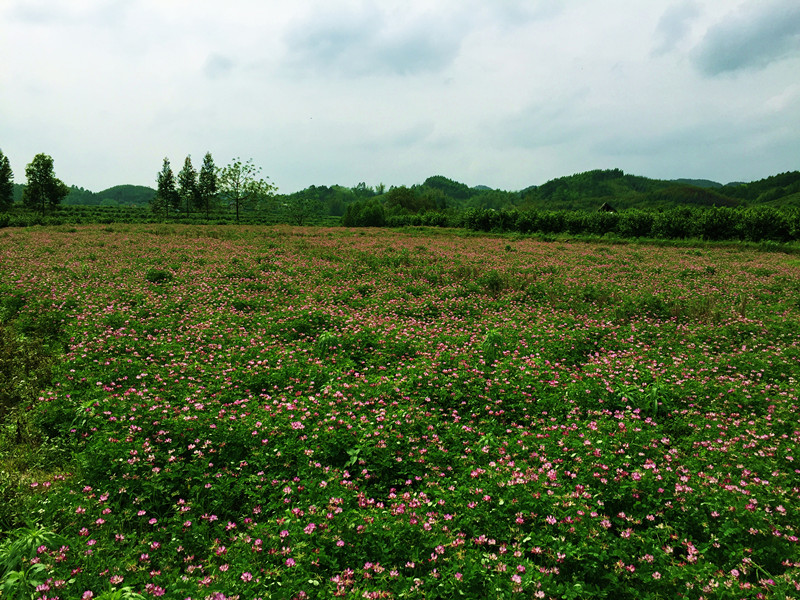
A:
{"points": [[275, 412]]}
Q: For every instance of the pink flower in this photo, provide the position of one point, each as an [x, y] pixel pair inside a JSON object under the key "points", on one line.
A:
{"points": [[246, 576], [290, 562]]}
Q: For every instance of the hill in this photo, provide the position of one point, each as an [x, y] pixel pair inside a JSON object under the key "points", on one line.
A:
{"points": [[119, 195], [582, 191]]}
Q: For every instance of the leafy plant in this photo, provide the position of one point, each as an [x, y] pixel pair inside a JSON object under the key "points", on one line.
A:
{"points": [[158, 276]]}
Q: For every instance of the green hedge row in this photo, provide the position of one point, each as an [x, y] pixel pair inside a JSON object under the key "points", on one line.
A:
{"points": [[749, 224]]}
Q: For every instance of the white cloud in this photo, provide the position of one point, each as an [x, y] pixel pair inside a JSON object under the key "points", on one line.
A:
{"points": [[757, 34]]}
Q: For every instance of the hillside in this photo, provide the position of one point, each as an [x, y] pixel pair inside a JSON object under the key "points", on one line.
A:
{"points": [[582, 191], [119, 195]]}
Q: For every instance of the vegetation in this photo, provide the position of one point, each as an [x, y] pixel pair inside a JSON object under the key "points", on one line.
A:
{"points": [[6, 183], [119, 195], [595, 203], [287, 412], [240, 186], [167, 198], [207, 185], [44, 190]]}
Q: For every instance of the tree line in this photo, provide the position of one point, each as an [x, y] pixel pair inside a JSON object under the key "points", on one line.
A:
{"points": [[237, 186], [768, 209], [44, 191]]}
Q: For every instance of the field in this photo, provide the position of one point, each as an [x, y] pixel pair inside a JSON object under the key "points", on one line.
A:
{"points": [[275, 412]]}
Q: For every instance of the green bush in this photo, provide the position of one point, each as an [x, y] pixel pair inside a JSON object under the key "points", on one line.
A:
{"points": [[25, 368], [158, 276]]}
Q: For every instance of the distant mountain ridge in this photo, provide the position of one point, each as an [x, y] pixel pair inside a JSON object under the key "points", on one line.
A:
{"points": [[582, 191]]}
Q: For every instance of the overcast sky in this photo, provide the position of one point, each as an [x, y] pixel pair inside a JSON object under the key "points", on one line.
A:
{"points": [[504, 93]]}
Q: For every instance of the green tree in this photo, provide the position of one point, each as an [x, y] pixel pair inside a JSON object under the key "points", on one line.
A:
{"points": [[167, 197], [187, 185], [299, 208], [44, 190], [240, 185], [402, 200], [6, 183], [207, 184]]}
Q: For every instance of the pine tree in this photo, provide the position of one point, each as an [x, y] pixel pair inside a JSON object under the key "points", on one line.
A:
{"points": [[6, 183], [187, 185], [207, 184], [167, 197]]}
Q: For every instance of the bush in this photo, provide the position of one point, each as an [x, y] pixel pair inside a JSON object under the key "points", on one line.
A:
{"points": [[364, 213], [717, 224], [635, 223], [158, 276], [676, 223], [25, 368], [764, 223]]}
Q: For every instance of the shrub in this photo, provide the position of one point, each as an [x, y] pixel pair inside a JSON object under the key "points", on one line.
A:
{"points": [[635, 223], [158, 276], [25, 368]]}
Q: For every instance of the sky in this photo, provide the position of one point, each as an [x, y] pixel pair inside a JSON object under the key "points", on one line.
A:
{"points": [[502, 93]]}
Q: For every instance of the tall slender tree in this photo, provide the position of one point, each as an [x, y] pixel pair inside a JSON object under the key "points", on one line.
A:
{"points": [[44, 190], [167, 197], [207, 184], [6, 183], [187, 185]]}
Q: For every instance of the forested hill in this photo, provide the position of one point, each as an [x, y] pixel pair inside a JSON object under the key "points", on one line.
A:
{"points": [[119, 195], [582, 191], [593, 188]]}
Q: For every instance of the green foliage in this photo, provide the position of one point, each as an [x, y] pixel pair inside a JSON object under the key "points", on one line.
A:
{"points": [[767, 189], [492, 347], [240, 186], [187, 185], [299, 209], [158, 276], [6, 183], [118, 195], [21, 545], [44, 191], [206, 185], [450, 188], [167, 198], [405, 200], [364, 213], [25, 368]]}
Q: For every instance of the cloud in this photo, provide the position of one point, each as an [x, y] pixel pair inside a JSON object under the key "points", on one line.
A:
{"points": [[66, 12], [217, 66], [673, 26], [758, 34], [371, 41]]}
